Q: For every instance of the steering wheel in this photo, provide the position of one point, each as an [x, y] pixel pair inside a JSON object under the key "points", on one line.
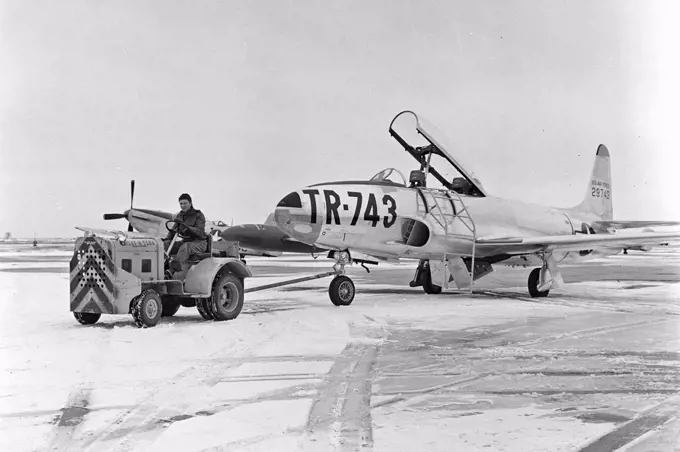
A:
{"points": [[170, 225]]}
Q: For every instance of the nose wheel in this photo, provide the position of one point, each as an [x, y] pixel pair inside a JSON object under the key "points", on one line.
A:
{"points": [[341, 291]]}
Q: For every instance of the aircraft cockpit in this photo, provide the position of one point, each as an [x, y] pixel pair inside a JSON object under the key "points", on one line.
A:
{"points": [[391, 175], [428, 146]]}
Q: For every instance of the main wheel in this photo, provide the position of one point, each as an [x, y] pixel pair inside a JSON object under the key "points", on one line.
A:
{"points": [[171, 305], [534, 279], [341, 291], [227, 297], [428, 287], [86, 318], [147, 309]]}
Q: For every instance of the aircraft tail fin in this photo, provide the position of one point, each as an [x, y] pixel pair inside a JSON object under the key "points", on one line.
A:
{"points": [[598, 196]]}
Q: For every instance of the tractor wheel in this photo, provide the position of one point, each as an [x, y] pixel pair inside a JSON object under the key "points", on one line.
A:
{"points": [[202, 304], [86, 318], [534, 279], [147, 309], [171, 305], [341, 291], [227, 297]]}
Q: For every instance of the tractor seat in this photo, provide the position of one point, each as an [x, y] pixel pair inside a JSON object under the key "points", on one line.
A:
{"points": [[195, 258]]}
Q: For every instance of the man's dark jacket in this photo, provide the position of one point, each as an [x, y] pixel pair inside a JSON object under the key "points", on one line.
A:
{"points": [[195, 225]]}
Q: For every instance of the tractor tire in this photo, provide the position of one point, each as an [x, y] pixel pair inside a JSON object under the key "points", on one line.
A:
{"points": [[171, 305], [227, 297], [203, 308], [341, 291], [534, 279], [147, 309], [86, 318]]}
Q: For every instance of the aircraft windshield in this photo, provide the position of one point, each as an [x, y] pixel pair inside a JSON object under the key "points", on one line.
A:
{"points": [[430, 148], [390, 175]]}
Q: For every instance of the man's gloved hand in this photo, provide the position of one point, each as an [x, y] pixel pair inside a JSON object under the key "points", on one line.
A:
{"points": [[184, 230]]}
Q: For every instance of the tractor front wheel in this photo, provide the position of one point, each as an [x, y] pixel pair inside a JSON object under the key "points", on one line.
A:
{"points": [[86, 318], [147, 309]]}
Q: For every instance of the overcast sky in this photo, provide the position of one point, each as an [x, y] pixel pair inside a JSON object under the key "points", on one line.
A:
{"points": [[238, 102]]}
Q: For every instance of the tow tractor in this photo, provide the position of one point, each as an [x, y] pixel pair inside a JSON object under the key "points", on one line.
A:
{"points": [[119, 273]]}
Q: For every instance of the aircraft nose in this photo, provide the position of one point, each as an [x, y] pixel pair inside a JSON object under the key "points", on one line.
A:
{"points": [[297, 219]]}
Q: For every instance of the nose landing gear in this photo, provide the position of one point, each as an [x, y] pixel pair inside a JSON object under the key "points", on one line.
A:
{"points": [[341, 290]]}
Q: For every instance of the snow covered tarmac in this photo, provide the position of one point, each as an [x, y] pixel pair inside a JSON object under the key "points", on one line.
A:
{"points": [[592, 367]]}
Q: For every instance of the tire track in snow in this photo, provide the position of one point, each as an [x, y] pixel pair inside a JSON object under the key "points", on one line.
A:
{"points": [[71, 416], [420, 394], [578, 334], [141, 423], [76, 407], [645, 422], [340, 418]]}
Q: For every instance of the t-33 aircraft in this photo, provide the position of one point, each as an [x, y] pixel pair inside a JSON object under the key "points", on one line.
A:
{"points": [[457, 230], [254, 239]]}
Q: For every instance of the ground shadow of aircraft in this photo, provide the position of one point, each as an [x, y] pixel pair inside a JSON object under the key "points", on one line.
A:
{"points": [[254, 239]]}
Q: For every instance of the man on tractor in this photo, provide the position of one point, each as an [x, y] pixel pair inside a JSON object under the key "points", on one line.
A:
{"points": [[190, 225]]}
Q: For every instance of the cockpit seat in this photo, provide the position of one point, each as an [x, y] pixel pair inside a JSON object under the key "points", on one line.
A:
{"points": [[417, 178], [461, 185]]}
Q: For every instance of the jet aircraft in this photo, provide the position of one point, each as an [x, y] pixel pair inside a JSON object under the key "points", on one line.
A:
{"points": [[254, 239], [446, 219]]}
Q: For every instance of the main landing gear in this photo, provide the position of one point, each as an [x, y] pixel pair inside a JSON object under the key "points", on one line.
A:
{"points": [[423, 277], [541, 280]]}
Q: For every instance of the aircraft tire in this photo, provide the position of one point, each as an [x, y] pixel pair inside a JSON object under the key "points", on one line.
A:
{"points": [[171, 305], [341, 291], [147, 309], [227, 297], [428, 287], [86, 318], [534, 278]]}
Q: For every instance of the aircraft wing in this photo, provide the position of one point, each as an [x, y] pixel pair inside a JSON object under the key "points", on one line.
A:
{"points": [[604, 224], [111, 232], [576, 242]]}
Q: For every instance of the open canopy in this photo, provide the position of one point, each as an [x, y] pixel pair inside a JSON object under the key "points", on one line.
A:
{"points": [[429, 147]]}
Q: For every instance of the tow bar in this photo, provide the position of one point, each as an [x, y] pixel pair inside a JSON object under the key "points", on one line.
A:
{"points": [[290, 281]]}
